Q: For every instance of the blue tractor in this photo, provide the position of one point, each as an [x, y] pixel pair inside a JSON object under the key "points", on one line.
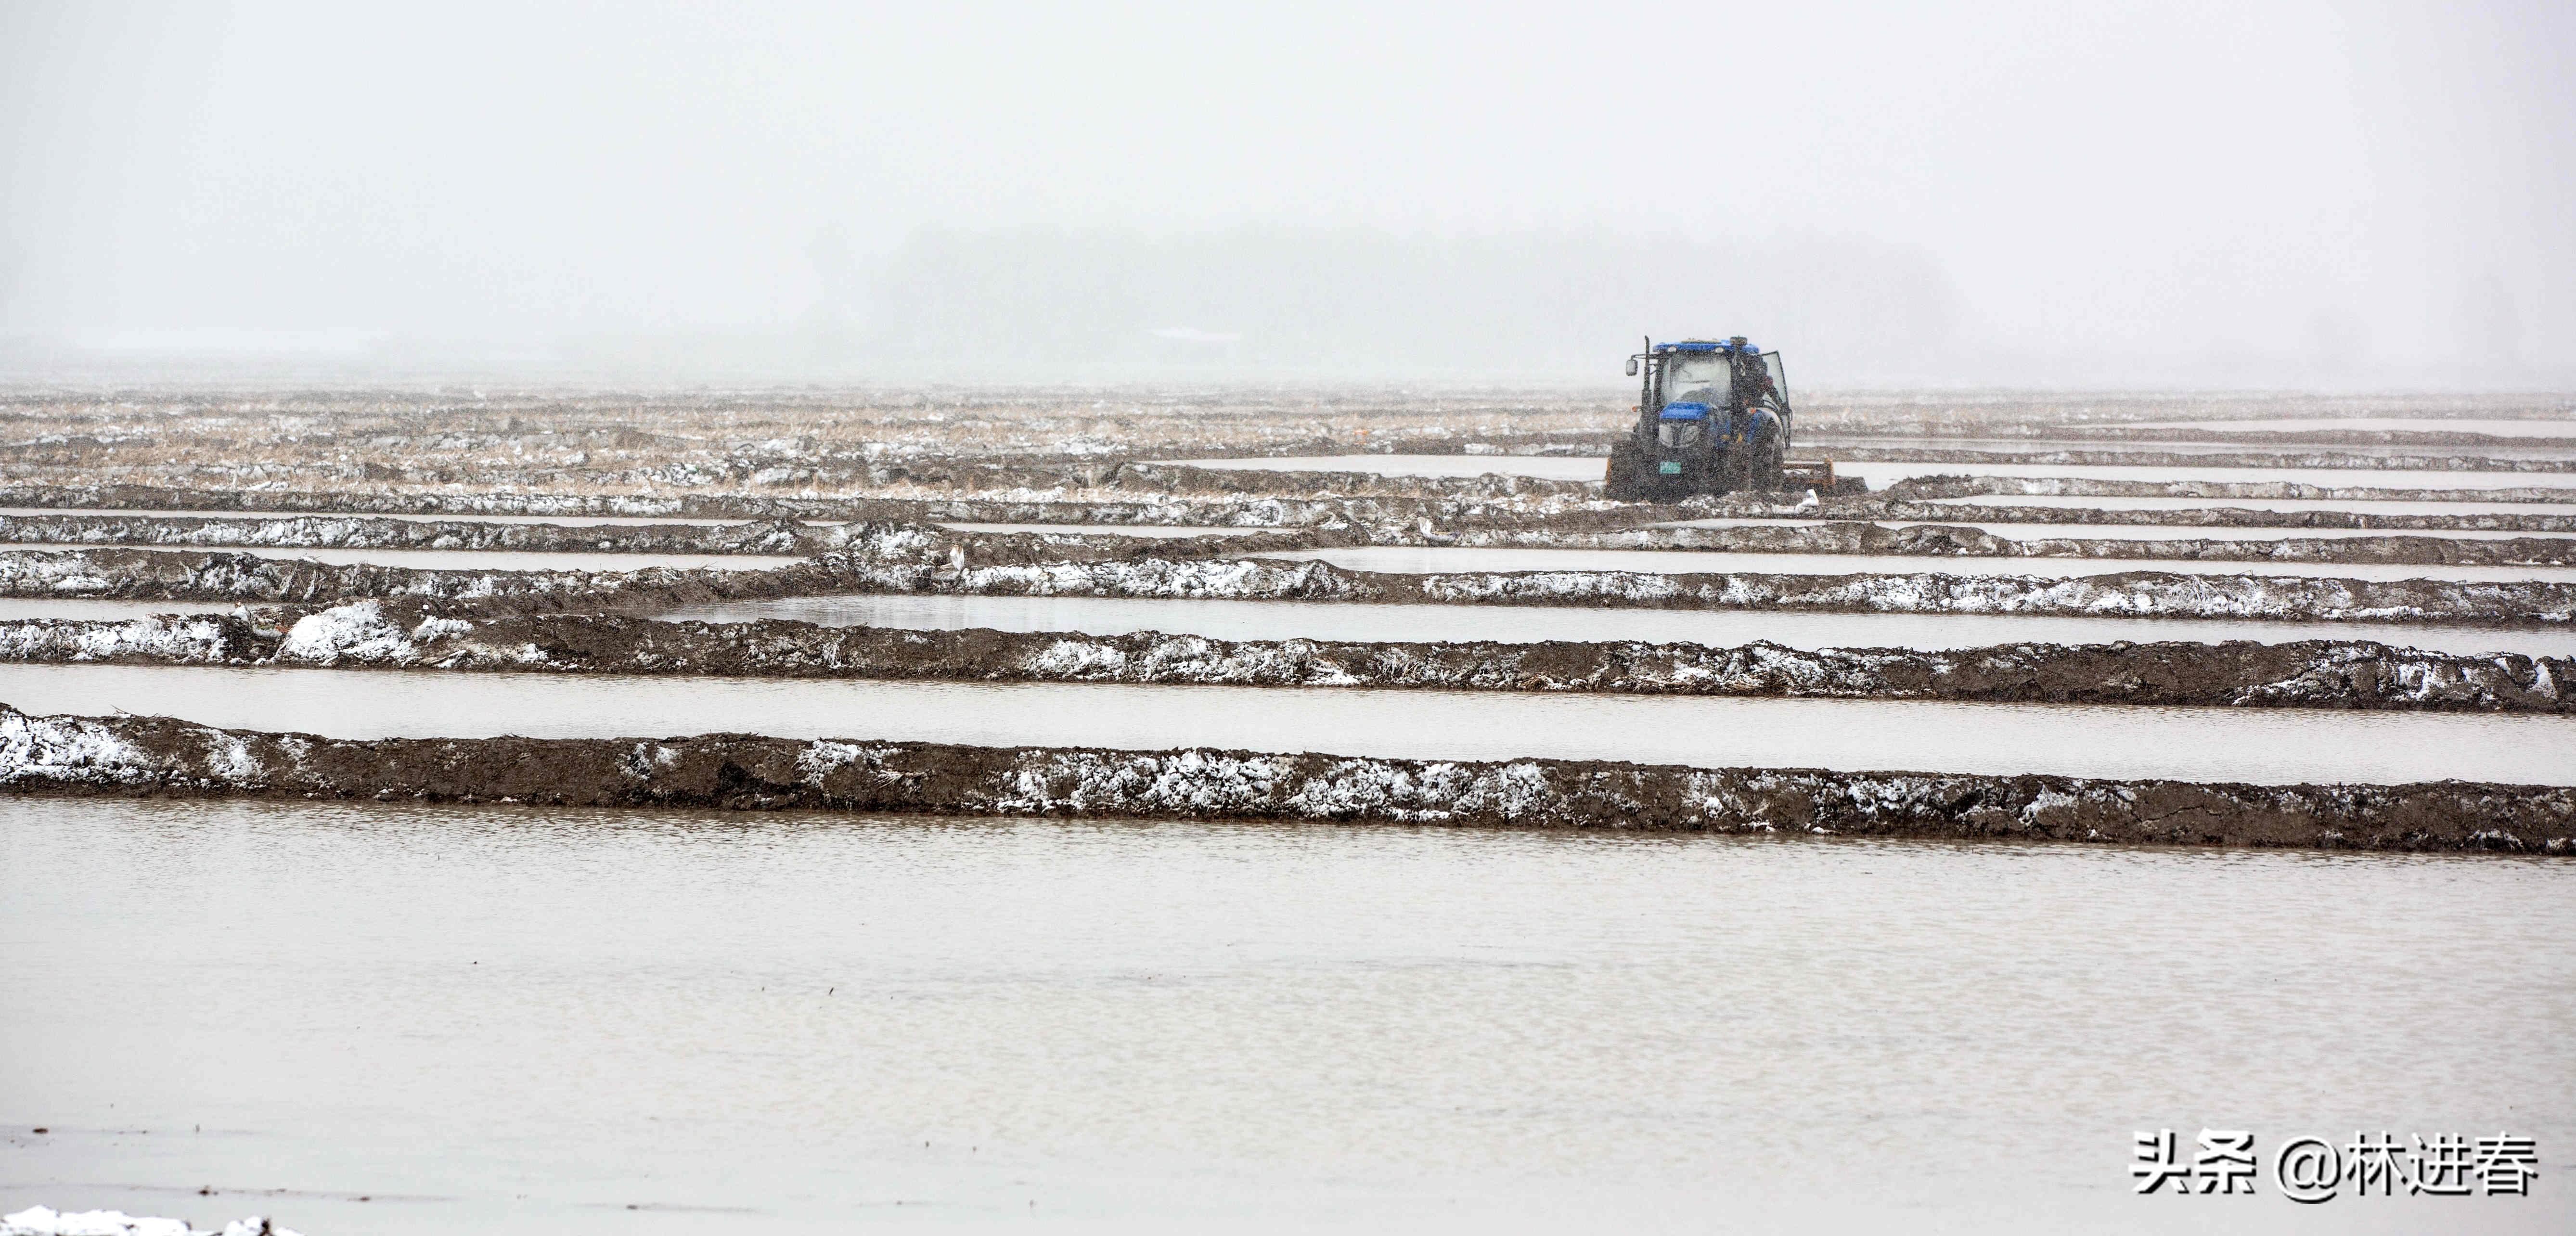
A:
{"points": [[1713, 416]]}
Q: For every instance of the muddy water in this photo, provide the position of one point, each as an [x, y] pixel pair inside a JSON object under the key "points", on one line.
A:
{"points": [[1881, 475], [100, 608], [469, 559], [2506, 427], [2134, 532], [565, 521], [2178, 532], [2356, 506], [1419, 560], [2264, 746], [1551, 467], [1146, 530], [520, 1021], [1834, 445], [1275, 620]]}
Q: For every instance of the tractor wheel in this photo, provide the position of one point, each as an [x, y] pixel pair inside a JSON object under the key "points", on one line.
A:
{"points": [[1763, 465], [1620, 482], [1706, 475]]}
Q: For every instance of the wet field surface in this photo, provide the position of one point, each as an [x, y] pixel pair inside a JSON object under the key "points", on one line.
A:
{"points": [[2135, 532], [602, 521], [1420, 560], [566, 521], [517, 1020], [104, 608], [1549, 467], [1831, 444], [2516, 427], [1524, 624], [1882, 474], [461, 559], [2357, 506], [1144, 530], [371, 1017], [2264, 746]]}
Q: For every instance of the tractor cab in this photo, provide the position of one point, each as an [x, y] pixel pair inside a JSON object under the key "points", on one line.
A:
{"points": [[1712, 416]]}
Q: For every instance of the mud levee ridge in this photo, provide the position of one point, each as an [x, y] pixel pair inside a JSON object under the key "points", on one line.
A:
{"points": [[895, 566], [2221, 517], [154, 756], [1947, 540], [780, 536], [1955, 485], [2252, 457], [2310, 674], [364, 532], [1103, 505], [701, 492], [787, 536]]}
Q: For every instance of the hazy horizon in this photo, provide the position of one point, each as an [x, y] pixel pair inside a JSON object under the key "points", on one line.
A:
{"points": [[2308, 195]]}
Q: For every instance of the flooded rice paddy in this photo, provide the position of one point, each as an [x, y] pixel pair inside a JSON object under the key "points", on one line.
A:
{"points": [[2266, 746], [1548, 467], [1524, 624], [565, 521], [2133, 532], [515, 1020], [2495, 427], [2355, 506], [464, 559], [103, 608], [1289, 620], [369, 1017], [1144, 530], [1422, 559], [1882, 474], [1836, 444]]}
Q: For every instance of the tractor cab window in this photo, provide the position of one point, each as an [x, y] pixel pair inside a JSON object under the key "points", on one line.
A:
{"points": [[1779, 377], [1677, 433], [1700, 377]]}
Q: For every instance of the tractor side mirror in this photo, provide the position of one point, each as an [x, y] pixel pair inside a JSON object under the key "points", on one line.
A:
{"points": [[1632, 366]]}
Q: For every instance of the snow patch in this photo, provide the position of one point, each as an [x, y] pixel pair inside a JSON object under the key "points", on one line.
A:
{"points": [[46, 1221], [822, 759], [354, 632], [65, 749], [230, 759]]}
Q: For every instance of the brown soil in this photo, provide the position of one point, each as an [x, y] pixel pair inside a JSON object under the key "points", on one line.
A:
{"points": [[1027, 566], [161, 757], [2308, 674]]}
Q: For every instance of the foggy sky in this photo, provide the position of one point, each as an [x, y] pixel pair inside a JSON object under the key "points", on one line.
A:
{"points": [[2255, 193]]}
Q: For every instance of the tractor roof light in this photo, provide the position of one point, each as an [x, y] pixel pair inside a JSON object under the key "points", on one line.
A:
{"points": [[1707, 345]]}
